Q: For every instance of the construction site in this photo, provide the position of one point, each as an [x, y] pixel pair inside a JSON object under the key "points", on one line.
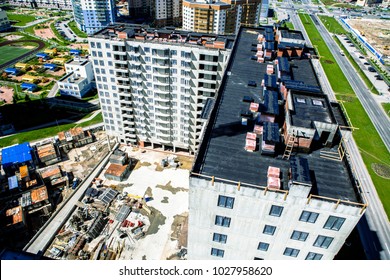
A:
{"points": [[376, 32], [137, 208]]}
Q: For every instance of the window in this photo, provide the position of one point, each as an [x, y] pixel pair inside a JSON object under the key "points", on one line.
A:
{"points": [[276, 211], [309, 217], [323, 241], [291, 252], [221, 238], [222, 221], [217, 252], [334, 223], [299, 235], [225, 201], [263, 246], [313, 256], [270, 230]]}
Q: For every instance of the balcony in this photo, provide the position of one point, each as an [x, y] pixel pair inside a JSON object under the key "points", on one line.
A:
{"points": [[121, 69], [129, 122], [162, 112]]}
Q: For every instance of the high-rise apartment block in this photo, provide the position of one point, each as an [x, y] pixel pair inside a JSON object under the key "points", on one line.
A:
{"points": [[59, 4], [271, 179], [93, 15], [163, 12], [156, 87], [168, 12], [139, 8], [222, 17], [4, 21]]}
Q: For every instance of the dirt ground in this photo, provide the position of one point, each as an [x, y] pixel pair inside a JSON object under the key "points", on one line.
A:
{"points": [[13, 37], [79, 46], [45, 33], [6, 94], [376, 32]]}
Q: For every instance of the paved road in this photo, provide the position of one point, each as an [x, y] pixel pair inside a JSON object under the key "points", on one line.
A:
{"points": [[53, 90], [376, 114], [374, 228], [40, 242]]}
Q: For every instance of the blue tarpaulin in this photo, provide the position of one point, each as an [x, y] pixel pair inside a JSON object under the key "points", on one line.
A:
{"points": [[50, 66], [13, 182], [12, 71], [76, 52], [28, 86], [16, 154], [42, 55]]}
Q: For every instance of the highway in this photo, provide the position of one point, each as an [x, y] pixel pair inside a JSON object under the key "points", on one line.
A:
{"points": [[374, 227], [375, 113], [40, 242]]}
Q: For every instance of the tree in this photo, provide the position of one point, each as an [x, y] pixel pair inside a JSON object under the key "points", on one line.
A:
{"points": [[15, 98]]}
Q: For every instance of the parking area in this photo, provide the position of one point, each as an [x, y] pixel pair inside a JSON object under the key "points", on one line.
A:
{"points": [[365, 65]]}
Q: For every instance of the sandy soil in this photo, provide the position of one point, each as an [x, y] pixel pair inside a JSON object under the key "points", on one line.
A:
{"points": [[376, 32], [6, 94], [13, 37], [45, 33], [79, 46]]}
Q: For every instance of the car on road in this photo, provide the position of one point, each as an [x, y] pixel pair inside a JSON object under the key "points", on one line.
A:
{"points": [[75, 183], [351, 45], [366, 63], [361, 57], [371, 69], [379, 77]]}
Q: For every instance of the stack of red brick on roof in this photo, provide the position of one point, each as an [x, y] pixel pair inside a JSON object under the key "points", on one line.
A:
{"points": [[273, 177]]}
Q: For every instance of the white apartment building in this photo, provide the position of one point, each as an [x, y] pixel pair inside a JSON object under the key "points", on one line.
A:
{"points": [[59, 4], [157, 86], [4, 21], [79, 78], [220, 17], [168, 12], [298, 203], [93, 15]]}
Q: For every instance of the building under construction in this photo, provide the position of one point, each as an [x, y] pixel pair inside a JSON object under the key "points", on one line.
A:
{"points": [[271, 179]]}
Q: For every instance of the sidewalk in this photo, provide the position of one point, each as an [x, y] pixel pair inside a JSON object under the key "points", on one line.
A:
{"points": [[380, 85]]}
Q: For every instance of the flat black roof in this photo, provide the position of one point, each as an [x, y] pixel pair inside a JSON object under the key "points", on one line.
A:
{"points": [[302, 70], [292, 34], [222, 153], [271, 105], [309, 108], [283, 64]]}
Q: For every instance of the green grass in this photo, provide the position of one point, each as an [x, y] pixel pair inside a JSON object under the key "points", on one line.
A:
{"points": [[21, 20], [357, 67], [332, 25], [367, 138], [72, 25], [10, 52], [335, 75], [44, 132], [386, 107], [289, 25]]}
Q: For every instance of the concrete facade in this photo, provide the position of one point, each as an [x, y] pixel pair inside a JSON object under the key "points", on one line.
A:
{"points": [[93, 15], [79, 78], [224, 17], [250, 215], [4, 21], [153, 89]]}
